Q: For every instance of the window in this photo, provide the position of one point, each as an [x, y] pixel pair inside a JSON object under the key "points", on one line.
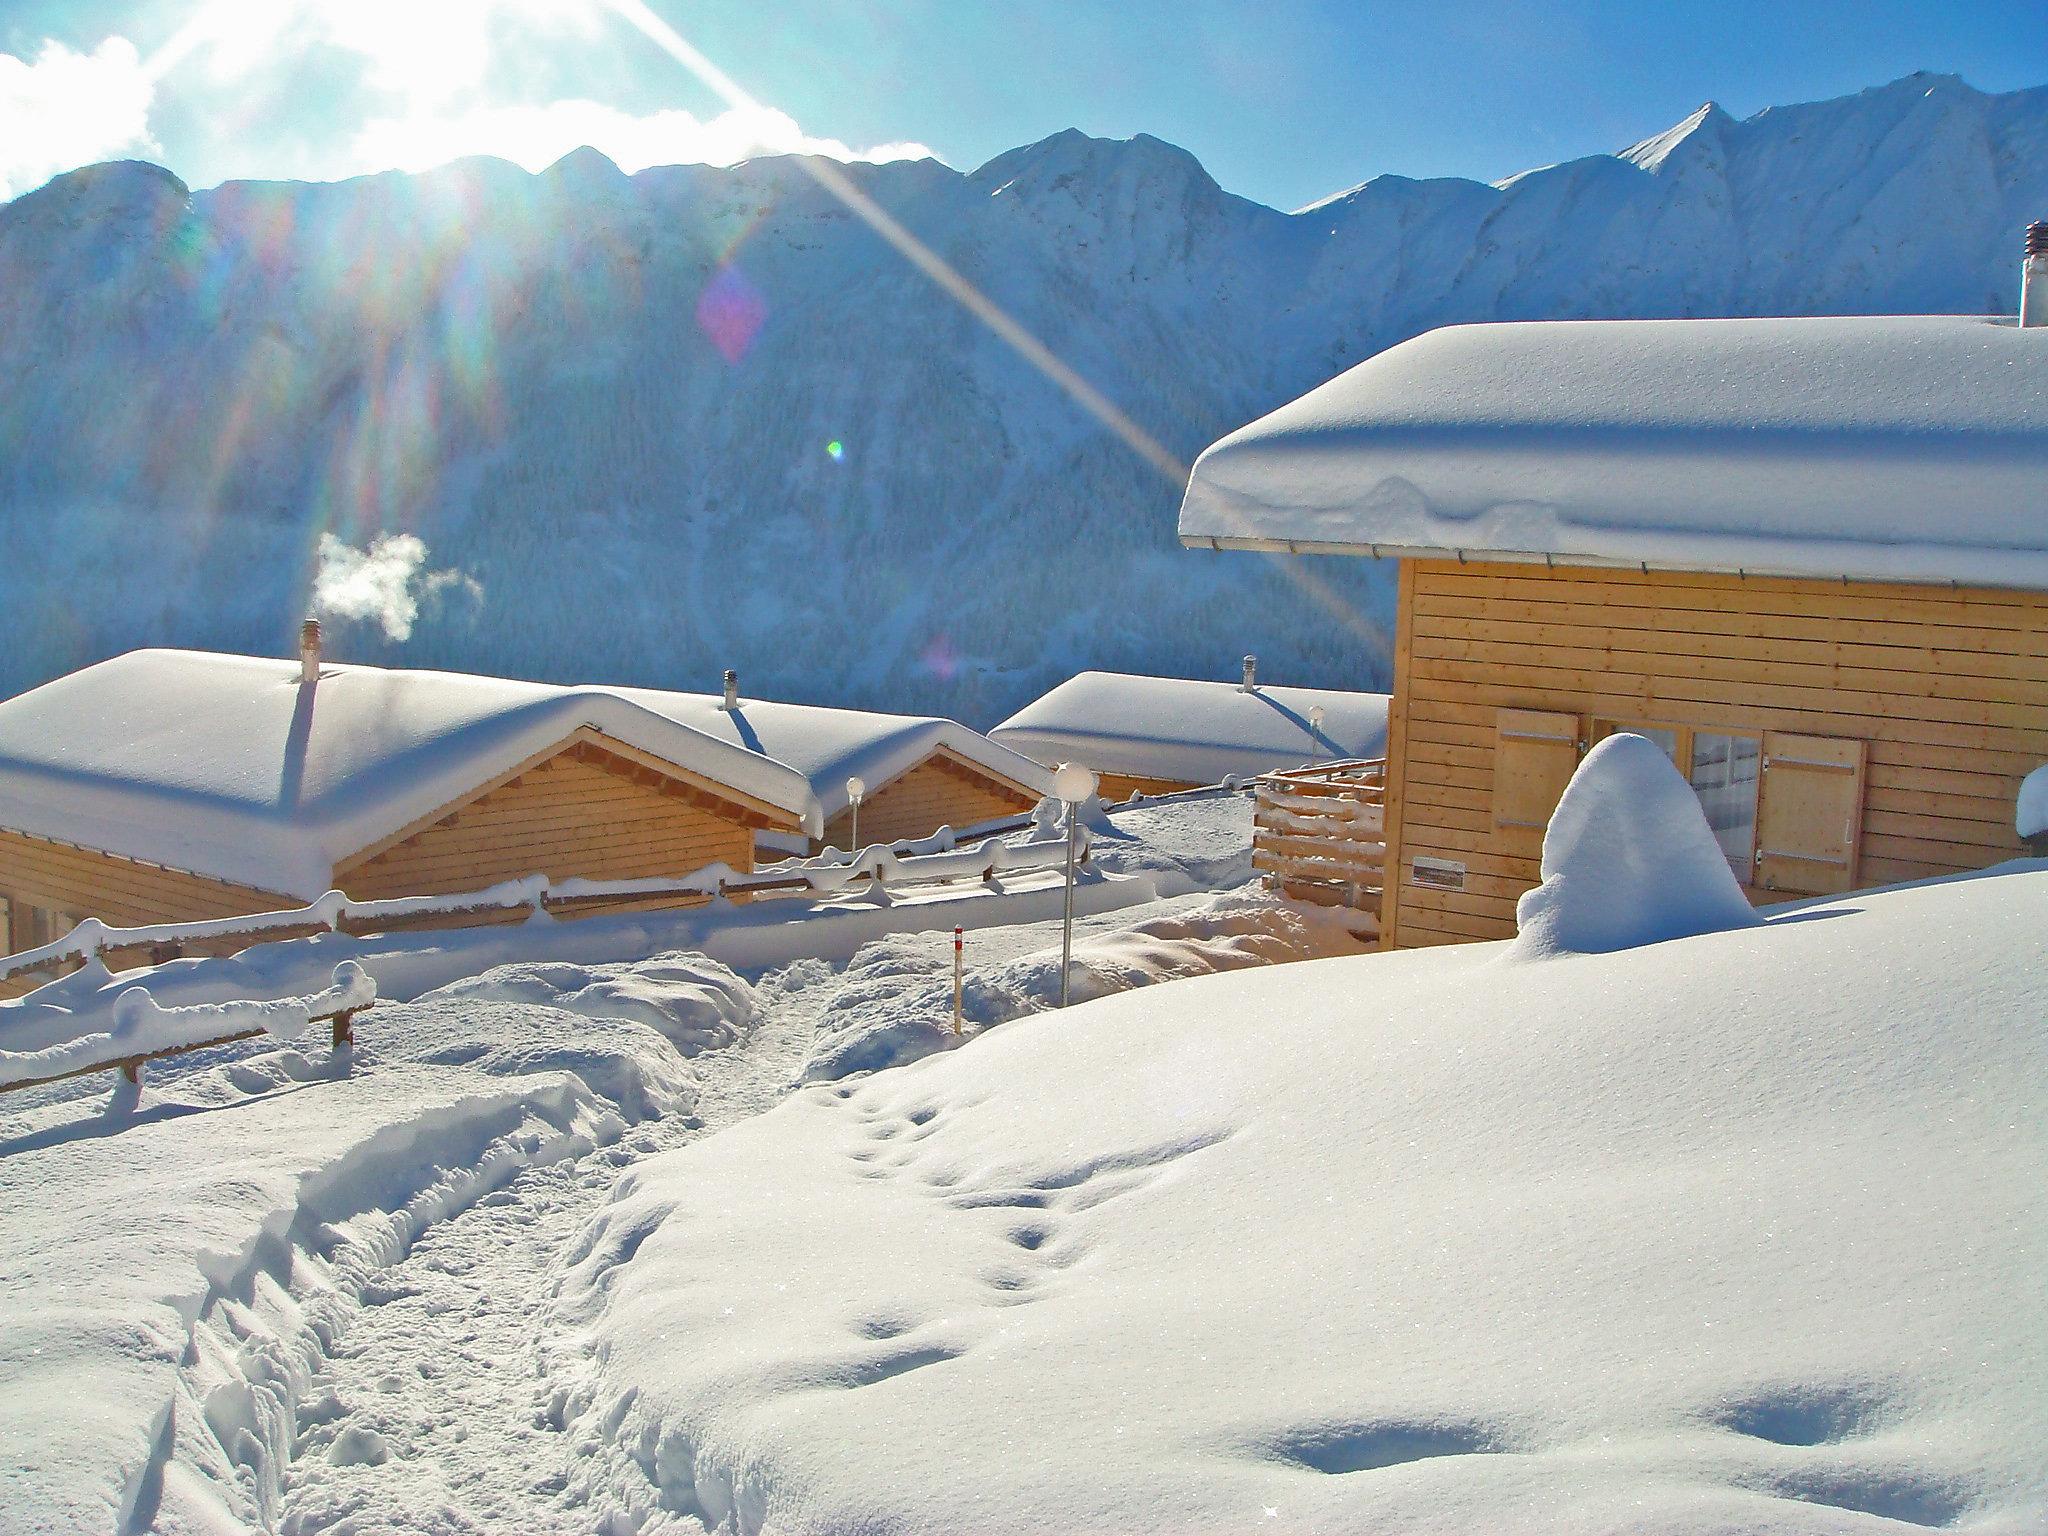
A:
{"points": [[1725, 769], [1726, 772], [24, 925]]}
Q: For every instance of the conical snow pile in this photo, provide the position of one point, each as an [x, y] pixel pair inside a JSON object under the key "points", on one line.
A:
{"points": [[1629, 859]]}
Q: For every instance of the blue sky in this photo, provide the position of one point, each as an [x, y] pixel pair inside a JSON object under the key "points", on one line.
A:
{"points": [[1284, 100]]}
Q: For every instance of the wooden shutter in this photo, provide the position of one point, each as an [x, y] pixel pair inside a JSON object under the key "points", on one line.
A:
{"points": [[1809, 823], [1534, 757]]}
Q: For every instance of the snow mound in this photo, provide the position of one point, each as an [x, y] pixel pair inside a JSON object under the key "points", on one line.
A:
{"points": [[1628, 859], [894, 1003], [2032, 816], [697, 1003], [1742, 1235]]}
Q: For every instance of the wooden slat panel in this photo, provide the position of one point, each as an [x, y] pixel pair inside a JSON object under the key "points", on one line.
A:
{"points": [[918, 802], [1948, 689], [581, 813]]}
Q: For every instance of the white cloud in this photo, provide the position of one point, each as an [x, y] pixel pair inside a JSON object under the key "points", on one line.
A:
{"points": [[537, 136], [68, 109], [383, 584]]}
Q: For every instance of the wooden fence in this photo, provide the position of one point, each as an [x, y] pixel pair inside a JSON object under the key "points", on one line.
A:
{"points": [[874, 868], [1319, 835]]}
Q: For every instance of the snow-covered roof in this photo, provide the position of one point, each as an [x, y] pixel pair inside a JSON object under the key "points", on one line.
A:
{"points": [[1900, 448], [1183, 728], [224, 766], [829, 745]]}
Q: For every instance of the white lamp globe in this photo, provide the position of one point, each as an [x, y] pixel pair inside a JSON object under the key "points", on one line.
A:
{"points": [[1072, 783], [1315, 717], [856, 790]]}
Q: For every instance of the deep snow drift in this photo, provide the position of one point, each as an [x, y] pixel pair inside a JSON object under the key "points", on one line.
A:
{"points": [[1739, 1231], [281, 1289], [1628, 859]]}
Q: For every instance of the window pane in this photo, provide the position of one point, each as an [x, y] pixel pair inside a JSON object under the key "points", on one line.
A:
{"points": [[1724, 776]]}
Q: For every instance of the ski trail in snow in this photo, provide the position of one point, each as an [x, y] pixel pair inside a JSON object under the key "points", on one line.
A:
{"points": [[434, 1410]]}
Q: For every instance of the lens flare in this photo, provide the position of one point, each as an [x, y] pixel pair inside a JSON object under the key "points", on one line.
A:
{"points": [[835, 451], [940, 658], [731, 312]]}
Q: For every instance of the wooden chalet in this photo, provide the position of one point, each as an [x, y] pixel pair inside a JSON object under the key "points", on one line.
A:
{"points": [[1158, 735], [918, 772], [1808, 558], [165, 786]]}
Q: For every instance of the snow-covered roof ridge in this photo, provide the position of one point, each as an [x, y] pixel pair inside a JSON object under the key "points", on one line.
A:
{"points": [[1890, 448], [225, 766], [1188, 728], [828, 745]]}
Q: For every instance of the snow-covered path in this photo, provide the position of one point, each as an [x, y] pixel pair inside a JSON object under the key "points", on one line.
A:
{"points": [[436, 1410]]}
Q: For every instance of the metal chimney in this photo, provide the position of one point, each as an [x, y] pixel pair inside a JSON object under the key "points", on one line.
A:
{"points": [[1251, 674], [309, 651], [732, 690], [2034, 277]]}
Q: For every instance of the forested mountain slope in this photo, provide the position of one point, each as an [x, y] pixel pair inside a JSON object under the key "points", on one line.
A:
{"points": [[649, 427]]}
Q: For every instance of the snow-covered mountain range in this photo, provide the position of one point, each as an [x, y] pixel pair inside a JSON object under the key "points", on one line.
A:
{"points": [[649, 427]]}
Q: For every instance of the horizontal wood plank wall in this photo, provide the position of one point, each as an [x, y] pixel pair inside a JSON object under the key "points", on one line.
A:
{"points": [[1949, 688], [119, 891], [563, 818], [938, 792], [1121, 786]]}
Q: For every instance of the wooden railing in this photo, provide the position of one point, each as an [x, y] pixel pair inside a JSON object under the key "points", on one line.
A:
{"points": [[1319, 835], [877, 867]]}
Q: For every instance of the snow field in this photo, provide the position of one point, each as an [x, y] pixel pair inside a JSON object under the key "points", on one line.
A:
{"points": [[283, 1291], [174, 1260], [1739, 1231]]}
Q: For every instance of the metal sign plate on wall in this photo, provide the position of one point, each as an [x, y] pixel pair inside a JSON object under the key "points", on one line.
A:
{"points": [[1437, 874]]}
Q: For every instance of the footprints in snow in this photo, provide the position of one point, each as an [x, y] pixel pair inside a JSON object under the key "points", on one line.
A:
{"points": [[1824, 1418], [1338, 1450], [1039, 1208]]}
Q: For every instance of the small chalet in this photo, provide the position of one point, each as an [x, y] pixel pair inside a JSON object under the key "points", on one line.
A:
{"points": [[1806, 557], [918, 773], [1156, 735], [173, 785]]}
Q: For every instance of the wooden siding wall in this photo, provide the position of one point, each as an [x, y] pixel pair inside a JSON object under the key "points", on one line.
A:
{"points": [[1948, 687], [938, 792], [119, 891], [1121, 786], [564, 817]]}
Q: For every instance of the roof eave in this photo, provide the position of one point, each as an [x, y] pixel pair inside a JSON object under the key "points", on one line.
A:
{"points": [[1550, 559]]}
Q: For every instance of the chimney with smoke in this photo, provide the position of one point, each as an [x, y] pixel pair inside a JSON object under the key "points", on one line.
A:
{"points": [[1251, 675], [309, 651], [2034, 277], [732, 690]]}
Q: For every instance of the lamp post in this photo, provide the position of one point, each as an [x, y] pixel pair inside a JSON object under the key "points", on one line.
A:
{"points": [[856, 791], [1071, 784], [1315, 733]]}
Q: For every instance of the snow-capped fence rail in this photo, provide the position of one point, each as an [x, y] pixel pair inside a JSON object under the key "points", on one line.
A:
{"points": [[876, 869], [137, 1029], [1319, 834]]}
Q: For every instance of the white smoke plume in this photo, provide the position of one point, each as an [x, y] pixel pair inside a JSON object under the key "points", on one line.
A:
{"points": [[383, 584]]}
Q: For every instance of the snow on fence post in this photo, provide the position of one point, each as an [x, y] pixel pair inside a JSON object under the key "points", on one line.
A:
{"points": [[958, 961], [1074, 784]]}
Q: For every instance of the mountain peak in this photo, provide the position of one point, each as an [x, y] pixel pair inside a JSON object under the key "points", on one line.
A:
{"points": [[1071, 154], [1698, 131], [585, 164]]}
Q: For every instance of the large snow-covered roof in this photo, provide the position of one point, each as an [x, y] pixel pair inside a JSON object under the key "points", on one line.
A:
{"points": [[225, 766], [1184, 728], [1901, 448], [829, 745]]}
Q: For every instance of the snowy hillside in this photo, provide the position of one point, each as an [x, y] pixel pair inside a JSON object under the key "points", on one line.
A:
{"points": [[649, 427], [1735, 1232]]}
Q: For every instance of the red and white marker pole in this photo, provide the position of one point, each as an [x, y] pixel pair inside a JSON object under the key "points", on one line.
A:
{"points": [[959, 946]]}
